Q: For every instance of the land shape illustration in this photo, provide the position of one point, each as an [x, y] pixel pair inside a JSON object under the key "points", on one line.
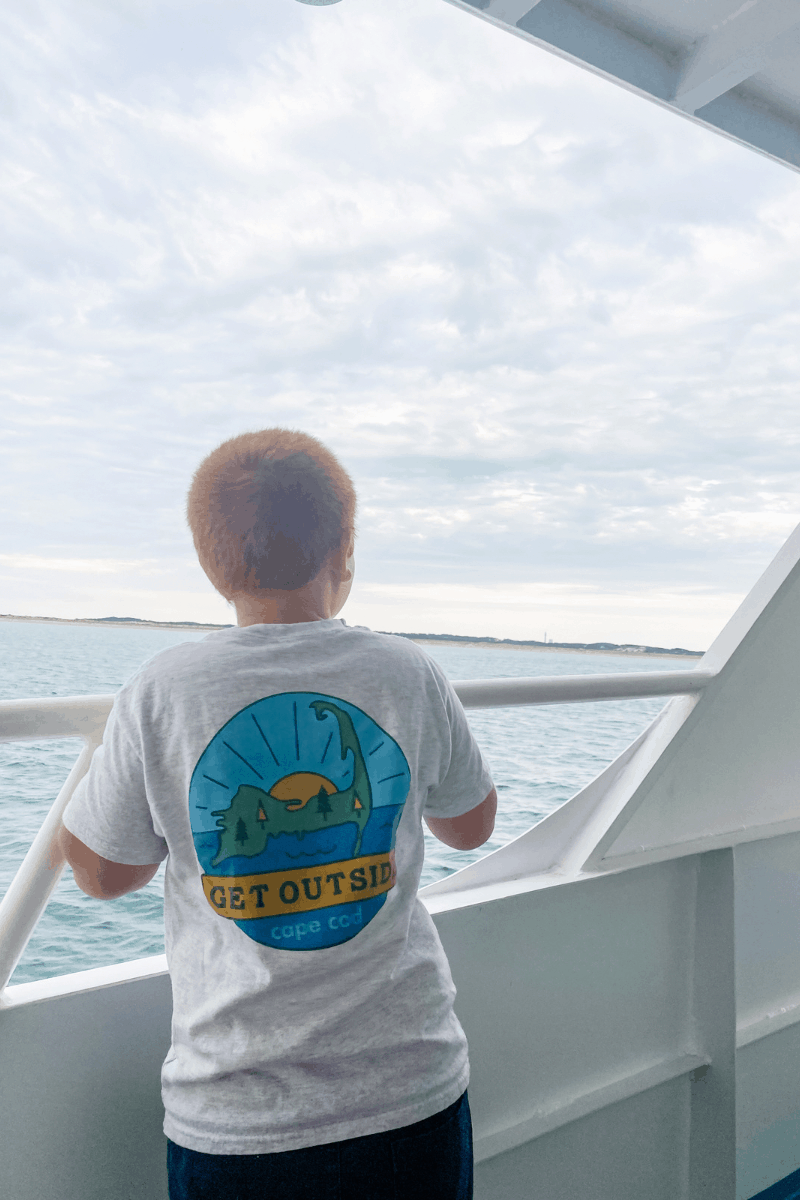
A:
{"points": [[255, 815]]}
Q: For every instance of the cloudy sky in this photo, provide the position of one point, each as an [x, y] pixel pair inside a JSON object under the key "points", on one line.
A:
{"points": [[549, 327]]}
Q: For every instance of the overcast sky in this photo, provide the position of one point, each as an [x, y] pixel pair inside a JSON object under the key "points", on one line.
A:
{"points": [[549, 327]]}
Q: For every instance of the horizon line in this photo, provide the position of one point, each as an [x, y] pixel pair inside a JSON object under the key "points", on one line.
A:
{"points": [[627, 647]]}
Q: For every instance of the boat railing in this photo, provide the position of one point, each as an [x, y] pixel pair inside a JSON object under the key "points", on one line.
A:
{"points": [[85, 717]]}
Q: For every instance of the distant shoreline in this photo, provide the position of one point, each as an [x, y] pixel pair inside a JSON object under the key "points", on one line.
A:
{"points": [[561, 647], [435, 639], [115, 622]]}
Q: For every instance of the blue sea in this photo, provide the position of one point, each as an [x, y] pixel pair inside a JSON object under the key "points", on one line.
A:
{"points": [[539, 757]]}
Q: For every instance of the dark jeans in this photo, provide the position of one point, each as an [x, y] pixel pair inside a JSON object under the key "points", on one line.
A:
{"points": [[432, 1158]]}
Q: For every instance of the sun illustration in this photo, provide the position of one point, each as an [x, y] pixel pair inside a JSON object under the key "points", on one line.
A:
{"points": [[298, 789]]}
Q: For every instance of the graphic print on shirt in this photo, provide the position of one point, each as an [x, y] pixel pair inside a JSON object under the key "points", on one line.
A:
{"points": [[294, 805]]}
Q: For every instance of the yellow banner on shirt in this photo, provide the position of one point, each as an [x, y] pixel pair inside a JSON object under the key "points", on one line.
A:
{"points": [[299, 889]]}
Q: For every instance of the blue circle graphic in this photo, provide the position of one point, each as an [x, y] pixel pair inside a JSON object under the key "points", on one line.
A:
{"points": [[290, 785]]}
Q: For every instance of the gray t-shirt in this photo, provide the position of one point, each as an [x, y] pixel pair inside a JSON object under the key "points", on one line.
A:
{"points": [[283, 771]]}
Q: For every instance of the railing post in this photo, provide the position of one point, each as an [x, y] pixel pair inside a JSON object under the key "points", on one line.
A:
{"points": [[712, 1164], [30, 889]]}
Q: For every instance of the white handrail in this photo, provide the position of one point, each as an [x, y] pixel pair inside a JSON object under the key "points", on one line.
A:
{"points": [[54, 717], [570, 689], [85, 717], [38, 874]]}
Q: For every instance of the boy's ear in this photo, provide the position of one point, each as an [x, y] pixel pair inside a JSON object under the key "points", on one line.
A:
{"points": [[343, 559]]}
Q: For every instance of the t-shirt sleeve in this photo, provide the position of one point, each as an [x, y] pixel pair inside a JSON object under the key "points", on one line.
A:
{"points": [[466, 780], [109, 810]]}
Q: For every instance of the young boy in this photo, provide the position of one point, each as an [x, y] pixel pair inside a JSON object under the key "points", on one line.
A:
{"points": [[282, 768]]}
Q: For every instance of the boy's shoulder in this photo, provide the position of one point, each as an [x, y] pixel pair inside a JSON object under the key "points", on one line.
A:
{"points": [[393, 643], [401, 658], [164, 664]]}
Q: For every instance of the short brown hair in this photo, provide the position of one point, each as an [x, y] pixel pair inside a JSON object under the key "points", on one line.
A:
{"points": [[266, 510]]}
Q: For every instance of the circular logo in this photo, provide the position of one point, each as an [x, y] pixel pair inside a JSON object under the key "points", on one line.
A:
{"points": [[294, 805]]}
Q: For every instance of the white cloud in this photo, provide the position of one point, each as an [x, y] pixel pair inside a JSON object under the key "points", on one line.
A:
{"points": [[549, 327], [82, 566]]}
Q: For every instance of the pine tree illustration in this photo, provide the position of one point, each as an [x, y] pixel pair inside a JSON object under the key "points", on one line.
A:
{"points": [[323, 803], [241, 835]]}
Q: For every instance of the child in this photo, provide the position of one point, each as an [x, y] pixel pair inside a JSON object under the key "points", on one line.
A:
{"points": [[282, 768]]}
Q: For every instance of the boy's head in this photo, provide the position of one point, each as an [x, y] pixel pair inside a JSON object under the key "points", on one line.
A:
{"points": [[267, 510]]}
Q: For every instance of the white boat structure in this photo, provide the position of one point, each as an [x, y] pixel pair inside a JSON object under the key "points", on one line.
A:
{"points": [[627, 970], [731, 65]]}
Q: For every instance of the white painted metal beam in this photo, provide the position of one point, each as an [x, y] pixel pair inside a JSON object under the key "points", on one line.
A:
{"points": [[591, 38], [33, 884], [670, 64], [509, 11], [713, 1118], [754, 36], [571, 689], [50, 717], [590, 1100]]}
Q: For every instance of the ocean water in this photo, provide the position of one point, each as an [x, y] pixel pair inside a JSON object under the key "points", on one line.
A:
{"points": [[539, 758]]}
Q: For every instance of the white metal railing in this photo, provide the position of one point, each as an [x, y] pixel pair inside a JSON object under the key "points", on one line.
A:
{"points": [[570, 689], [33, 720], [85, 717]]}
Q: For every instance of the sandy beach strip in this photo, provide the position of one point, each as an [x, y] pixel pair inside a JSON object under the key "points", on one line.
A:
{"points": [[97, 623], [555, 649], [421, 641]]}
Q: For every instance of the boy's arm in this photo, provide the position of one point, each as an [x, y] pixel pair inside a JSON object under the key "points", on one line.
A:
{"points": [[470, 830], [100, 877]]}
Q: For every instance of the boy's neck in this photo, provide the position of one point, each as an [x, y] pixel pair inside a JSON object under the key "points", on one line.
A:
{"points": [[318, 600], [278, 608]]}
